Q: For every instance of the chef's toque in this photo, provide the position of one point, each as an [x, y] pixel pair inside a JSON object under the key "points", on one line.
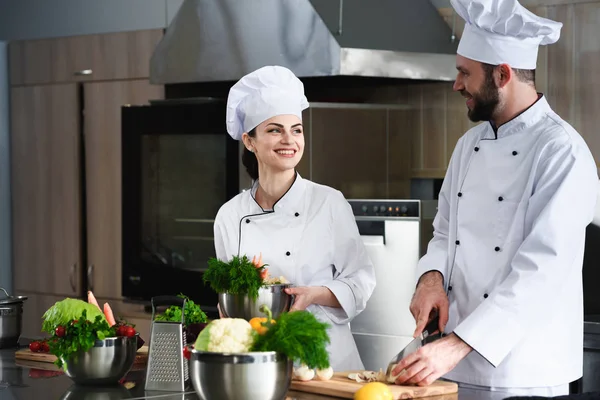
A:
{"points": [[503, 31], [263, 94]]}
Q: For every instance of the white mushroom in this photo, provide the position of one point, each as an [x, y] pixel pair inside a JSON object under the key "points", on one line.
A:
{"points": [[324, 374], [303, 373]]}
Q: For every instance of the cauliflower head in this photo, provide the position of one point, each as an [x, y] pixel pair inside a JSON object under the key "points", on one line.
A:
{"points": [[226, 335]]}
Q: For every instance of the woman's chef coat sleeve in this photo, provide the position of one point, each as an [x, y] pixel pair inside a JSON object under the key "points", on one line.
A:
{"points": [[558, 212], [354, 279], [220, 233], [436, 257]]}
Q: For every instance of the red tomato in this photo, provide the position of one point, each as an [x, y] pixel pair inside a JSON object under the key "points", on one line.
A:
{"points": [[44, 347], [187, 353], [130, 331], [34, 346], [60, 331]]}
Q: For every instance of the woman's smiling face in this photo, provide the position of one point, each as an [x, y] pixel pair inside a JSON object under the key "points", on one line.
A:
{"points": [[278, 142]]}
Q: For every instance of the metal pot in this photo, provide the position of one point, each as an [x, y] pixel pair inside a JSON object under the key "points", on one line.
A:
{"points": [[11, 314]]}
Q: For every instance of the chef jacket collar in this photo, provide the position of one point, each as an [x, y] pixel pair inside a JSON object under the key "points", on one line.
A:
{"points": [[289, 201], [527, 118]]}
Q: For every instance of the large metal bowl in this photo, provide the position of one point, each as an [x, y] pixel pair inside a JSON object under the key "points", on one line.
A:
{"points": [[105, 363], [248, 376], [242, 306]]}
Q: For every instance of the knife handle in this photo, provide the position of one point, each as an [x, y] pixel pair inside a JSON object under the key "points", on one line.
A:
{"points": [[432, 325]]}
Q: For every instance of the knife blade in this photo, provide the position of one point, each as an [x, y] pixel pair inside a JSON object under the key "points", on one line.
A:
{"points": [[412, 346]]}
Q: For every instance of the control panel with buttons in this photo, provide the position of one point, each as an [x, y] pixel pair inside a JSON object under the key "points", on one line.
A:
{"points": [[385, 208]]}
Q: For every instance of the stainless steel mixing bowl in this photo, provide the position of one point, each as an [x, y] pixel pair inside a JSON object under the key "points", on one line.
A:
{"points": [[242, 306], [105, 363], [248, 376]]}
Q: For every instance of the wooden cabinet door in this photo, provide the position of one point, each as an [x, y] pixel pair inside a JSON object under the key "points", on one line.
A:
{"points": [[102, 131], [356, 167], [46, 189], [109, 56]]}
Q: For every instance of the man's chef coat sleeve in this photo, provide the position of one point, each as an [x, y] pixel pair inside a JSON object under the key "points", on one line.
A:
{"points": [[436, 257], [560, 208], [354, 280]]}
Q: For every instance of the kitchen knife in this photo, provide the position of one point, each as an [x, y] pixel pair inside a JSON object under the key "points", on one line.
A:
{"points": [[413, 346]]}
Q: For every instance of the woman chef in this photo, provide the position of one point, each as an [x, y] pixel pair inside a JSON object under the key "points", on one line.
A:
{"points": [[306, 232]]}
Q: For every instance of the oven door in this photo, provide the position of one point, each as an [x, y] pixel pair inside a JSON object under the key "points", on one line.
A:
{"points": [[178, 167]]}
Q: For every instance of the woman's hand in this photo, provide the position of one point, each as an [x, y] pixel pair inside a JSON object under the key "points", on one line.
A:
{"points": [[221, 315], [307, 295]]}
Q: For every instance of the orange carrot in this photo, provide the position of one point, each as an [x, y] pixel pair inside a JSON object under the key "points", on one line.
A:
{"points": [[259, 263], [264, 274], [110, 318], [92, 299]]}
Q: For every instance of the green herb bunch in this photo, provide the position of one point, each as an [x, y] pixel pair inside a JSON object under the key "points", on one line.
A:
{"points": [[239, 276], [193, 313], [298, 335], [80, 334]]}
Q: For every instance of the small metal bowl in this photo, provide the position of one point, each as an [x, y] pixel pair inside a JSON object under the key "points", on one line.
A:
{"points": [[248, 376], [242, 306], [104, 364]]}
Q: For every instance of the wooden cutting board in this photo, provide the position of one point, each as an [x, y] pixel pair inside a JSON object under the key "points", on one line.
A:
{"points": [[26, 354], [340, 386]]}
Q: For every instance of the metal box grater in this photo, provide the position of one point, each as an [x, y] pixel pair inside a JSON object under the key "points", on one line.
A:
{"points": [[167, 369]]}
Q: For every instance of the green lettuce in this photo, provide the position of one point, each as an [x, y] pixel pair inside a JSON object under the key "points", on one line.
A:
{"points": [[65, 311], [203, 339]]}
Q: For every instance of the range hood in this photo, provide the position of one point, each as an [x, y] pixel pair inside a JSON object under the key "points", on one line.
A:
{"points": [[222, 40]]}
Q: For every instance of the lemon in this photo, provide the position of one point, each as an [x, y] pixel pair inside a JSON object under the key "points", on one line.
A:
{"points": [[374, 391]]}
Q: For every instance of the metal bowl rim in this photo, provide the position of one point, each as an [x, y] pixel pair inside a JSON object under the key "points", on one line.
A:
{"points": [[112, 340], [271, 285], [251, 357], [217, 353]]}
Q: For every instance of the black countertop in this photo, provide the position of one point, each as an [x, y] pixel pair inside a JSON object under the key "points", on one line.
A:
{"points": [[23, 380]]}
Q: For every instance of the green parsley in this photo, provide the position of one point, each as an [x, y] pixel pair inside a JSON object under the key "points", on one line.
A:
{"points": [[193, 313], [79, 335]]}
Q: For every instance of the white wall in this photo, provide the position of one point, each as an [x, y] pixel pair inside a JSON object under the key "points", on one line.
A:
{"points": [[5, 242], [32, 19]]}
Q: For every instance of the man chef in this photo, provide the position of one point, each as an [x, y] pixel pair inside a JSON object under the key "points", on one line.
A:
{"points": [[503, 269]]}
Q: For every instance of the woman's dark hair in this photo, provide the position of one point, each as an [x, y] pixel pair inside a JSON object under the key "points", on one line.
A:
{"points": [[249, 159]]}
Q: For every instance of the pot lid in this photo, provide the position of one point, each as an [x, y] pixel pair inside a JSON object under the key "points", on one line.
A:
{"points": [[11, 299]]}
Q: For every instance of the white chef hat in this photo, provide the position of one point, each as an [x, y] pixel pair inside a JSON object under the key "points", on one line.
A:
{"points": [[503, 31], [263, 94]]}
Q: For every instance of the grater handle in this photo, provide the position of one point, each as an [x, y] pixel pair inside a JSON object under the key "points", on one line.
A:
{"points": [[169, 301]]}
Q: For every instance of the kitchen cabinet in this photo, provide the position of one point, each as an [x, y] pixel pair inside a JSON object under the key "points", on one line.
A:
{"points": [[102, 132], [356, 166], [111, 56], [439, 118], [46, 189], [66, 161]]}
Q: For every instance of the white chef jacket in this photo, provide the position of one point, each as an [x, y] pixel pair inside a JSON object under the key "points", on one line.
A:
{"points": [[311, 238], [509, 240]]}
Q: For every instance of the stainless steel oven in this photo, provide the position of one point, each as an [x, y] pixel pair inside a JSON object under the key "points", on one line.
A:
{"points": [[179, 167]]}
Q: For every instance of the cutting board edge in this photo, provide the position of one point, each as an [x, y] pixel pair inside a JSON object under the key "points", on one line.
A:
{"points": [[347, 388]]}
